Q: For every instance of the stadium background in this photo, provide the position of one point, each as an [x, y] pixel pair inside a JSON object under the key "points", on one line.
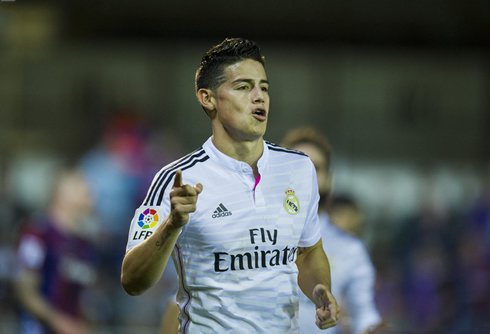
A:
{"points": [[401, 89]]}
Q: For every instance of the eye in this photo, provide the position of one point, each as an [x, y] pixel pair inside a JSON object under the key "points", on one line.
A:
{"points": [[242, 87], [265, 89]]}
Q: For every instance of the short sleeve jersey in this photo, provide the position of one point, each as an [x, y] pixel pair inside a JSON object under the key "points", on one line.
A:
{"points": [[65, 263], [235, 258], [353, 278]]}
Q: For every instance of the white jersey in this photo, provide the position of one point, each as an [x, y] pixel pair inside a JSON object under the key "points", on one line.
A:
{"points": [[353, 278], [235, 258]]}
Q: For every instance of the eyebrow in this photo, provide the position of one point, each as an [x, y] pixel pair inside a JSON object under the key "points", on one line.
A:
{"points": [[250, 81]]}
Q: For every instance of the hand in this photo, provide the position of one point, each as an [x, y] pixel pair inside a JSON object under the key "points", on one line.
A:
{"points": [[183, 200], [63, 324], [379, 328], [327, 309]]}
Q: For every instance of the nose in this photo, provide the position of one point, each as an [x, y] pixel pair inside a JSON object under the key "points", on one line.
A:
{"points": [[258, 96]]}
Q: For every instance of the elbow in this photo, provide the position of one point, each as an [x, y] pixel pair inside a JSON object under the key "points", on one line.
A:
{"points": [[130, 280], [130, 287], [130, 291], [19, 292]]}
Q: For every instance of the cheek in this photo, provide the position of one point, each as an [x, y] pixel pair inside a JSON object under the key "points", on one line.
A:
{"points": [[229, 107], [225, 116]]}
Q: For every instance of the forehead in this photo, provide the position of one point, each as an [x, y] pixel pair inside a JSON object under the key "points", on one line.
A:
{"points": [[246, 69]]}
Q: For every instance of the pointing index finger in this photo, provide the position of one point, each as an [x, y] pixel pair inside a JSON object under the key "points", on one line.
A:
{"points": [[334, 311], [178, 179]]}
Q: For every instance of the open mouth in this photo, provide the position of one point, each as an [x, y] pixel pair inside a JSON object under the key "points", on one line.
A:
{"points": [[259, 114]]}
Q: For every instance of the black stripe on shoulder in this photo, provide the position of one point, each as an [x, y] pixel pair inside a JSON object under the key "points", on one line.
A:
{"points": [[171, 176], [278, 148], [286, 151], [272, 144], [164, 172], [197, 152]]}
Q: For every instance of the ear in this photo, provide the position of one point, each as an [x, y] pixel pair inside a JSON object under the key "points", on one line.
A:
{"points": [[206, 99]]}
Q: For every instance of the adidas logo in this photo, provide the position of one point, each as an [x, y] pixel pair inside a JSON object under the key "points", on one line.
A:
{"points": [[221, 211]]}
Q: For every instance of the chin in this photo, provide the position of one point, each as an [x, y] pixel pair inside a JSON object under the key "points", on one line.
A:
{"points": [[250, 133], [259, 134], [253, 136], [261, 130]]}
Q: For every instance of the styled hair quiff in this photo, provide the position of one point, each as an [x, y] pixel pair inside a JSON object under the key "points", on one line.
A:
{"points": [[209, 74]]}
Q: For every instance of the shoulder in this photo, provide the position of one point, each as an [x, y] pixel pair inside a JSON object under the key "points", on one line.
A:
{"points": [[282, 150], [189, 164], [348, 251], [38, 226], [350, 243], [33, 243], [285, 155]]}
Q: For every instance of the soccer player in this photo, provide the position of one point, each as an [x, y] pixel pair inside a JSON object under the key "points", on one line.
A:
{"points": [[353, 274], [56, 261], [238, 216]]}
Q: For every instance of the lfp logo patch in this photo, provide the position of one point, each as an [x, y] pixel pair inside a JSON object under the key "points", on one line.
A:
{"points": [[148, 219], [291, 202]]}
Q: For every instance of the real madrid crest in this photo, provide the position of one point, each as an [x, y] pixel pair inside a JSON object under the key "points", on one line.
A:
{"points": [[291, 202]]}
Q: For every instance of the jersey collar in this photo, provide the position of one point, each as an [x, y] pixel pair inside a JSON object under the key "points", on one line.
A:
{"points": [[233, 164]]}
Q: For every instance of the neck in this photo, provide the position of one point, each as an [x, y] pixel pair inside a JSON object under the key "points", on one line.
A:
{"points": [[246, 151]]}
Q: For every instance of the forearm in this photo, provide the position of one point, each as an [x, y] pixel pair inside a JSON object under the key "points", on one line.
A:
{"points": [[359, 300], [313, 269], [32, 301], [314, 280], [35, 304], [143, 265]]}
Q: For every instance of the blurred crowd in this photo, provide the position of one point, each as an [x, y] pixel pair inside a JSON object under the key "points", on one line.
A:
{"points": [[435, 275], [63, 233], [432, 266]]}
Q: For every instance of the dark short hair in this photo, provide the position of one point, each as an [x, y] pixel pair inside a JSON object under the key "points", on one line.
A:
{"points": [[308, 135], [230, 51]]}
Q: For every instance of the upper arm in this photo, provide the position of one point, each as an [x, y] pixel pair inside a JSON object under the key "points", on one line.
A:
{"points": [[32, 252], [31, 255], [314, 253], [304, 252], [152, 211], [145, 221], [28, 280]]}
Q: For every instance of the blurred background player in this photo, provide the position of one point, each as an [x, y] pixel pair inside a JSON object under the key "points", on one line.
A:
{"points": [[353, 274], [56, 261], [345, 214]]}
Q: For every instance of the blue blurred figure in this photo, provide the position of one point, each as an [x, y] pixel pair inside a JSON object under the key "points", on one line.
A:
{"points": [[57, 261]]}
